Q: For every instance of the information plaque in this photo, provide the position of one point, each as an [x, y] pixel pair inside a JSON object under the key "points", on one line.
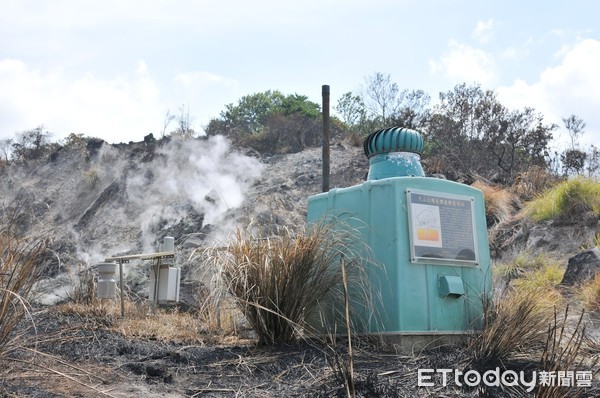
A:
{"points": [[442, 228]]}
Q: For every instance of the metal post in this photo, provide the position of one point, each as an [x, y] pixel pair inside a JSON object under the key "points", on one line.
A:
{"points": [[156, 284], [325, 94], [121, 288]]}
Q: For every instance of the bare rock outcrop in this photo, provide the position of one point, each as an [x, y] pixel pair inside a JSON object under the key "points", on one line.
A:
{"points": [[582, 267]]}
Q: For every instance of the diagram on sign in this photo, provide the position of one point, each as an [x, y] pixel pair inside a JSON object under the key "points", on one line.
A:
{"points": [[427, 225]]}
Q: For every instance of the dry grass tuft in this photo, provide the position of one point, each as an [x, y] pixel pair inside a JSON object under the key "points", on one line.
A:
{"points": [[92, 177], [523, 330], [84, 290], [515, 325], [165, 325], [101, 312], [589, 293], [355, 138], [499, 203], [564, 351], [279, 280], [20, 258], [534, 181], [141, 320]]}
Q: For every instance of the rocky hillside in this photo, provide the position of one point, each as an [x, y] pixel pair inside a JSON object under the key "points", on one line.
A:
{"points": [[99, 200]]}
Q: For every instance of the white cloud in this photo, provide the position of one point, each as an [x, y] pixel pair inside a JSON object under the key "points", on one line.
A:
{"points": [[517, 52], [483, 30], [571, 87], [194, 15], [122, 108], [203, 79], [463, 63]]}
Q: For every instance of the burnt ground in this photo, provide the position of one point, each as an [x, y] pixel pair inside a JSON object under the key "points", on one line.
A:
{"points": [[77, 356]]}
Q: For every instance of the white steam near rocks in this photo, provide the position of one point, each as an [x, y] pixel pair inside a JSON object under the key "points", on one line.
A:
{"points": [[203, 174], [138, 192], [141, 191]]}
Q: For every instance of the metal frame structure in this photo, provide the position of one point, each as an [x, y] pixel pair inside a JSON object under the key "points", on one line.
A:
{"points": [[158, 257]]}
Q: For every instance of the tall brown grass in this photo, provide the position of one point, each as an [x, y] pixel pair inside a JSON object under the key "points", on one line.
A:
{"points": [[524, 329], [20, 258], [564, 351], [589, 292], [515, 324], [499, 202], [278, 280], [533, 182]]}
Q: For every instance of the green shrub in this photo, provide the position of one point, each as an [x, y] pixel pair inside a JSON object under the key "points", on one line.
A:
{"points": [[529, 274], [76, 141], [566, 201], [546, 277]]}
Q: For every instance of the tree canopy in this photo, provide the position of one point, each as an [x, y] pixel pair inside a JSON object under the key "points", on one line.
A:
{"points": [[270, 121], [468, 131]]}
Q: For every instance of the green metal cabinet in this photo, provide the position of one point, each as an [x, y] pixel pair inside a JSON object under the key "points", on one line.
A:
{"points": [[428, 238]]}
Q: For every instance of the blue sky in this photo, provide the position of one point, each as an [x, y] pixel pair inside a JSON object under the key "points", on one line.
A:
{"points": [[113, 68]]}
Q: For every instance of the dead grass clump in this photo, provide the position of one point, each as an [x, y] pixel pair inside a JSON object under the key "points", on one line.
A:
{"points": [[533, 182], [589, 293], [564, 351], [141, 320], [165, 325], [20, 258], [84, 286], [92, 177], [515, 325], [278, 280], [100, 312], [355, 138], [499, 202]]}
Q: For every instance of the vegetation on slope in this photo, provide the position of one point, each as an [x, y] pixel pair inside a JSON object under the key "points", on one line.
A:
{"points": [[567, 201]]}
